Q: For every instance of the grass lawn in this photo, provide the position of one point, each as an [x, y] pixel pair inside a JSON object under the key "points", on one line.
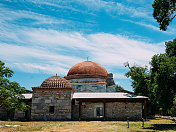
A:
{"points": [[89, 126]]}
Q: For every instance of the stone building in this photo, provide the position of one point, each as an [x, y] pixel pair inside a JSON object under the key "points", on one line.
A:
{"points": [[52, 100], [86, 93]]}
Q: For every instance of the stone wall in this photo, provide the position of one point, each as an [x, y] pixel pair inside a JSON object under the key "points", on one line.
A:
{"points": [[93, 84], [3, 113], [111, 89], [24, 115], [88, 110], [75, 112], [43, 99], [113, 111], [94, 87], [122, 110], [87, 80], [19, 115]]}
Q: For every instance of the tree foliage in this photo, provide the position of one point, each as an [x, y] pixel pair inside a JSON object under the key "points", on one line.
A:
{"points": [[158, 82], [140, 77], [10, 92], [163, 79], [173, 109], [171, 48], [164, 12], [118, 88]]}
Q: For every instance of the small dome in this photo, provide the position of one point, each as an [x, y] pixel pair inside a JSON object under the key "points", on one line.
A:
{"points": [[87, 68], [55, 82]]}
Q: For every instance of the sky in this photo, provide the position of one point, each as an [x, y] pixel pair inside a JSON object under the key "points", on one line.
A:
{"points": [[39, 38]]}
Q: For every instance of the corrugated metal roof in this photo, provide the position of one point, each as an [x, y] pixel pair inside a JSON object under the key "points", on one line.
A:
{"points": [[115, 95], [27, 96]]}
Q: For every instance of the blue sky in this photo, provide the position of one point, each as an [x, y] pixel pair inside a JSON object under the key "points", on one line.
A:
{"points": [[39, 38]]}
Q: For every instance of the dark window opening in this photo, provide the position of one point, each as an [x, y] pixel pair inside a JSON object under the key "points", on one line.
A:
{"points": [[99, 111], [73, 102], [125, 107], [51, 109]]}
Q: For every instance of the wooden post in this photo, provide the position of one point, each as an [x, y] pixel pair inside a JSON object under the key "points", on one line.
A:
{"points": [[145, 110], [142, 122], [104, 110], [80, 110], [128, 123]]}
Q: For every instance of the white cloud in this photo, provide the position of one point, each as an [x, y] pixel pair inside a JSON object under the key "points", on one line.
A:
{"points": [[112, 8], [35, 35], [119, 76], [50, 51], [116, 8], [170, 31], [38, 68], [112, 48], [12, 15], [133, 12], [36, 59], [44, 50]]}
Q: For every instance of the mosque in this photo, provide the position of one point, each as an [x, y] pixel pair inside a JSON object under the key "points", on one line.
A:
{"points": [[86, 93]]}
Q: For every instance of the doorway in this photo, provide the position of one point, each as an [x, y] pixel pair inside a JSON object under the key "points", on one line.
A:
{"points": [[99, 112]]}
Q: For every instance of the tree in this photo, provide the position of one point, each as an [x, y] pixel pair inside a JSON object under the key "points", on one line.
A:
{"points": [[173, 109], [163, 72], [118, 88], [171, 48], [158, 82], [163, 79], [140, 77], [10, 92], [164, 11]]}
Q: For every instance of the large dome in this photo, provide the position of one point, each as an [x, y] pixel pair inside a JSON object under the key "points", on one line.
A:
{"points": [[87, 68], [55, 82]]}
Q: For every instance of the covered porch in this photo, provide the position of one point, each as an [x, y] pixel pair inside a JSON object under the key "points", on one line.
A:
{"points": [[108, 106]]}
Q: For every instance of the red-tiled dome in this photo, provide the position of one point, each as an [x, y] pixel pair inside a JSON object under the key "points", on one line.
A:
{"points": [[55, 82], [87, 68]]}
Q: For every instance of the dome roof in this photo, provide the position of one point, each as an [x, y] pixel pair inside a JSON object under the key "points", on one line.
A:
{"points": [[55, 82], [87, 68]]}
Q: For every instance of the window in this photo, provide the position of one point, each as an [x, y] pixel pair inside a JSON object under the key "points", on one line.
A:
{"points": [[51, 109], [99, 111]]}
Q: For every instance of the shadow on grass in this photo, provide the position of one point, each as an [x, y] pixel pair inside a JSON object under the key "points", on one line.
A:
{"points": [[162, 127]]}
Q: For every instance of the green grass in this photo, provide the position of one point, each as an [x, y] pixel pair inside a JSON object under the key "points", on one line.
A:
{"points": [[88, 126]]}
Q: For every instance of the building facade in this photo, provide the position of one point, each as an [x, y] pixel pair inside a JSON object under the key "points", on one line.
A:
{"points": [[86, 93]]}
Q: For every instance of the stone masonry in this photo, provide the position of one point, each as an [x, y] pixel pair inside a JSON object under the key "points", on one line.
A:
{"points": [[59, 99], [88, 110], [123, 110], [94, 87], [113, 111]]}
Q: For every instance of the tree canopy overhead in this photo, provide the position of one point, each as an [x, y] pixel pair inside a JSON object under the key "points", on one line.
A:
{"points": [[164, 11]]}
